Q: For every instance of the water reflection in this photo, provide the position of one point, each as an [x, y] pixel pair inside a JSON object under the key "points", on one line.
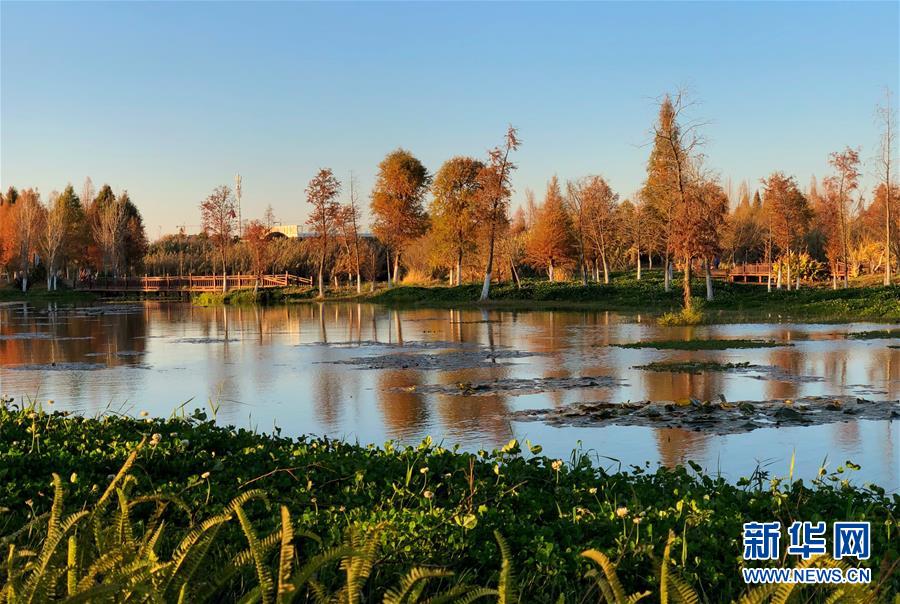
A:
{"points": [[278, 366]]}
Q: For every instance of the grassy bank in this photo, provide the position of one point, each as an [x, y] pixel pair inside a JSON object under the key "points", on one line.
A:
{"points": [[42, 295], [625, 293], [428, 507]]}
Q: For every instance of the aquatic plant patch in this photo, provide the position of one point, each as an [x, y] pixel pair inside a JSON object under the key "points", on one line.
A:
{"points": [[878, 334], [437, 361], [717, 417], [703, 344], [515, 386], [696, 367]]}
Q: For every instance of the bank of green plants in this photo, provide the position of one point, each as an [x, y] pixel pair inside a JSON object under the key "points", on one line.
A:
{"points": [[383, 511], [626, 293], [42, 295]]}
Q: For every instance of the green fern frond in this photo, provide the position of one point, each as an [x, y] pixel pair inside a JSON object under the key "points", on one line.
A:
{"points": [[412, 584], [609, 584], [672, 585], [285, 554], [266, 583], [506, 585]]}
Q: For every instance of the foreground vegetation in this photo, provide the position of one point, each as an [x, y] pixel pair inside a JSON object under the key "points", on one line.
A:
{"points": [[151, 505]]}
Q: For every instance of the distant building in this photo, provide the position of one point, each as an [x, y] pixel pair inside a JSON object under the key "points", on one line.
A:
{"points": [[287, 230]]}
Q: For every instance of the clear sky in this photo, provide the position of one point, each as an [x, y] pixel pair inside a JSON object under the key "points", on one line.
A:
{"points": [[168, 100]]}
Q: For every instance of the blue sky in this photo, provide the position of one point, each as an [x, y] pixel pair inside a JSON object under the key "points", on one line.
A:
{"points": [[168, 100]]}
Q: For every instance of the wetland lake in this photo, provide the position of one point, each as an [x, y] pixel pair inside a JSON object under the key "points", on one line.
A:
{"points": [[478, 379]]}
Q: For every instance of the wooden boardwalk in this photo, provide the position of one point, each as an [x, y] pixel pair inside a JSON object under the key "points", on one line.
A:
{"points": [[189, 283], [756, 273]]}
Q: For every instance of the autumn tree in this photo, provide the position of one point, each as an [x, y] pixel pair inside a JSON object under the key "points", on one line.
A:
{"points": [[28, 218], [670, 171], [453, 212], [348, 226], [8, 227], [218, 218], [787, 214], [322, 193], [838, 188], [108, 220], [256, 236], [551, 242], [592, 204], [630, 218], [397, 204], [495, 189], [661, 190], [53, 235], [76, 239], [887, 116]]}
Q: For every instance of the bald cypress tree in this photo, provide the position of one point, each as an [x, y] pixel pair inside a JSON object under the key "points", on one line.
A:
{"points": [[660, 190]]}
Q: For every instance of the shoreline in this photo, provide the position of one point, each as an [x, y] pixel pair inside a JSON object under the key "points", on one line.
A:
{"points": [[732, 303]]}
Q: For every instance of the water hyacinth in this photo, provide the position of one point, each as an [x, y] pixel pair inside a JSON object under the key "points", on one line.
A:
{"points": [[328, 486]]}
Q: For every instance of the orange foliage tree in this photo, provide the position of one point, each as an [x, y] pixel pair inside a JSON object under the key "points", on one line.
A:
{"points": [[453, 209], [397, 203], [322, 193], [551, 242]]}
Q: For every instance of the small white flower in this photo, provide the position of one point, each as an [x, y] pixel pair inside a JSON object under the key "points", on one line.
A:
{"points": [[427, 494], [621, 512]]}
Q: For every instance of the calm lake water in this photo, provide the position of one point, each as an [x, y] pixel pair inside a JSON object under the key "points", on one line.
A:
{"points": [[371, 374]]}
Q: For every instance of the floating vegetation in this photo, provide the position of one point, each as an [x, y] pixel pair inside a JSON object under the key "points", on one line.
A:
{"points": [[58, 367], [717, 417], [704, 344], [27, 336], [878, 334], [203, 340], [515, 386], [695, 367], [446, 361]]}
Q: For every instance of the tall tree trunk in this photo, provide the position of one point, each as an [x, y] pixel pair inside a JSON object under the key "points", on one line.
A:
{"points": [[887, 229], [387, 258], [709, 283], [397, 267], [358, 281], [686, 283], [515, 273], [459, 257], [667, 273], [489, 269], [584, 276], [639, 264], [322, 275], [550, 271], [605, 267], [789, 270]]}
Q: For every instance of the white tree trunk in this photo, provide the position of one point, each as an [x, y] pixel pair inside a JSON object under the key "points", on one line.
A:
{"points": [[709, 283]]}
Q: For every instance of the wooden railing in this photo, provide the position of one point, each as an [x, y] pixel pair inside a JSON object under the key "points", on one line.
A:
{"points": [[190, 283]]}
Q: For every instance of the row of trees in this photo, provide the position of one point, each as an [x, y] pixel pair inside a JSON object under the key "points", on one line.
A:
{"points": [[66, 236], [456, 224]]}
